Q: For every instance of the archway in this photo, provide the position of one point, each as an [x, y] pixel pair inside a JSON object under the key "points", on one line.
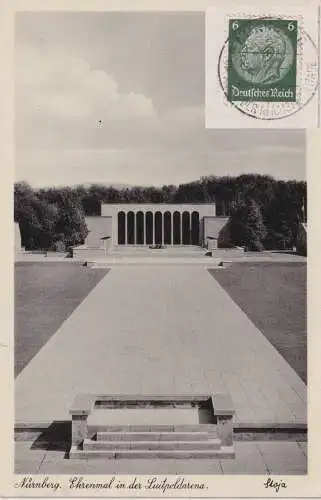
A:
{"points": [[158, 228], [186, 230], [149, 228], [121, 228], [177, 228], [130, 228], [195, 228], [139, 228], [167, 228]]}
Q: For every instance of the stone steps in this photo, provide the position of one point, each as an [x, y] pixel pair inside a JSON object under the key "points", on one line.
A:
{"points": [[105, 426], [223, 452], [204, 262], [90, 444], [152, 436], [94, 428], [159, 441]]}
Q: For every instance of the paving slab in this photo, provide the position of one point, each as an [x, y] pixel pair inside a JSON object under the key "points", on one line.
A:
{"points": [[160, 330], [286, 456], [251, 458], [304, 447], [248, 460]]}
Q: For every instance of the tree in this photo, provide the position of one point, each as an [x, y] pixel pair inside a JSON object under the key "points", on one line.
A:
{"points": [[28, 213], [168, 193], [49, 215], [71, 220], [246, 226]]}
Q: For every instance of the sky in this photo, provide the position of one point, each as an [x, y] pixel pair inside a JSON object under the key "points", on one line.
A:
{"points": [[118, 98]]}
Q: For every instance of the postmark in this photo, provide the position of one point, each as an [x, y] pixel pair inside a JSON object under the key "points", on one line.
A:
{"points": [[262, 57], [268, 68]]}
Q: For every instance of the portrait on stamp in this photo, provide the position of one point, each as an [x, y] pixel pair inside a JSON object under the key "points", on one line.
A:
{"points": [[262, 60]]}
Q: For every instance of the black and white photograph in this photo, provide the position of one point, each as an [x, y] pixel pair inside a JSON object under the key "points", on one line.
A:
{"points": [[160, 268]]}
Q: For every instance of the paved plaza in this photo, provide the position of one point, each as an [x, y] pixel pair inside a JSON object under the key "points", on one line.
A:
{"points": [[160, 330]]}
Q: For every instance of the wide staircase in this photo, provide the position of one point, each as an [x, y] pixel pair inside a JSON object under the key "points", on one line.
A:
{"points": [[158, 428], [164, 251]]}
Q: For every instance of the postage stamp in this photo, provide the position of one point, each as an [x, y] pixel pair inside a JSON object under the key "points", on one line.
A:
{"points": [[262, 60], [262, 64]]}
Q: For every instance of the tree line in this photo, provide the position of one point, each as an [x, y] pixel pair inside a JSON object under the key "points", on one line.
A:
{"points": [[264, 212]]}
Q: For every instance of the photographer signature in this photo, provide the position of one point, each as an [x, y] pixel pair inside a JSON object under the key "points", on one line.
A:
{"points": [[276, 485]]}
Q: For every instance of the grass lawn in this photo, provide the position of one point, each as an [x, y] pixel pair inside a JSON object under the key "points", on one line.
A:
{"points": [[45, 295], [273, 295]]}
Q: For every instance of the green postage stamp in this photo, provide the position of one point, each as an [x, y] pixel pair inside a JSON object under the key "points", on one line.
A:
{"points": [[262, 60]]}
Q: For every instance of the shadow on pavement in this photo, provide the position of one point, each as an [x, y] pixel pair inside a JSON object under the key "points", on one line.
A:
{"points": [[57, 437]]}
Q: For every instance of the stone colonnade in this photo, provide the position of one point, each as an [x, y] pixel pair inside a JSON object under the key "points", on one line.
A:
{"points": [[158, 228]]}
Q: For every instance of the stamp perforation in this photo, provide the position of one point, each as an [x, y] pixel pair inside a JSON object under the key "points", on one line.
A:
{"points": [[306, 78]]}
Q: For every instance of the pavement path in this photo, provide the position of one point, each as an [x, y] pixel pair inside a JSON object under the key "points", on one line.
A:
{"points": [[254, 457], [160, 330]]}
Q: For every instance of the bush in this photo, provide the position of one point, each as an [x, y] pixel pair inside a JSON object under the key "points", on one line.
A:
{"points": [[58, 246], [246, 226]]}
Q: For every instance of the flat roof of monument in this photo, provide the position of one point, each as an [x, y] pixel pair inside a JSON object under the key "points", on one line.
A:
{"points": [[158, 204], [110, 209]]}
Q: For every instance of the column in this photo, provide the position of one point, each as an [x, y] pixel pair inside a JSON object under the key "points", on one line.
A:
{"points": [[144, 227], [172, 228], [163, 227], [115, 229], [153, 228], [134, 228], [181, 227], [125, 228]]}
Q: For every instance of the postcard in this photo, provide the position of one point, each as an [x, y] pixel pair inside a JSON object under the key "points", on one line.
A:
{"points": [[160, 261]]}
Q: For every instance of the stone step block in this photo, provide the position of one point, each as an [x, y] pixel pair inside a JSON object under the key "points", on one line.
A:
{"points": [[152, 436], [95, 427], [151, 445], [224, 452]]}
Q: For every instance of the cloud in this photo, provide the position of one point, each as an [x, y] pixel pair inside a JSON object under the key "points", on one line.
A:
{"points": [[61, 102], [78, 122], [61, 87]]}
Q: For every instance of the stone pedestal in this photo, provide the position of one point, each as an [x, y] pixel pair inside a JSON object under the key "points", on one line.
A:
{"points": [[80, 410], [17, 238], [79, 429], [212, 244], [224, 412]]}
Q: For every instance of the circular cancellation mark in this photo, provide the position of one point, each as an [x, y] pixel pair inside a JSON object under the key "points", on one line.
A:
{"points": [[306, 86]]}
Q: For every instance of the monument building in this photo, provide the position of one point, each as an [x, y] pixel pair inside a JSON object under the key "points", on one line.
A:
{"points": [[152, 225]]}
